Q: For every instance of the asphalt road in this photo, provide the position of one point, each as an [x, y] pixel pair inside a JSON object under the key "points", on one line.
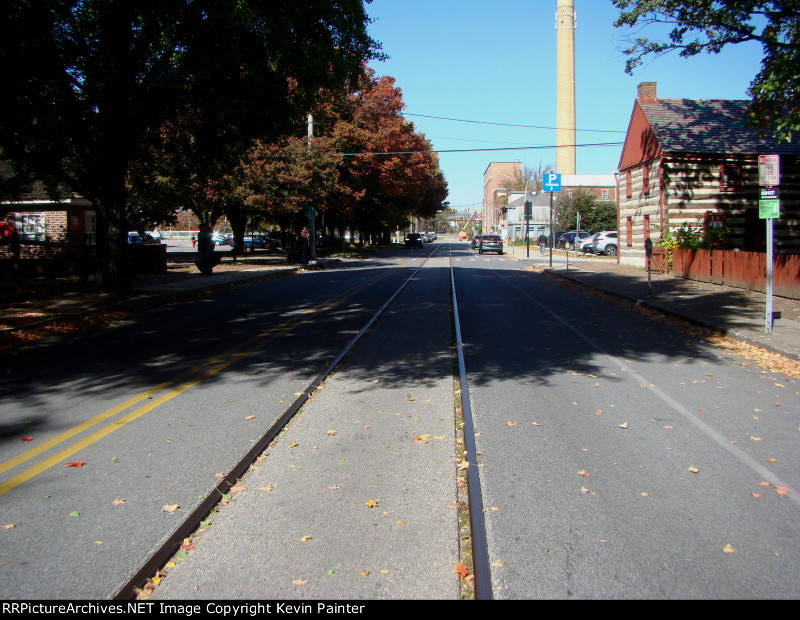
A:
{"points": [[154, 408], [620, 458]]}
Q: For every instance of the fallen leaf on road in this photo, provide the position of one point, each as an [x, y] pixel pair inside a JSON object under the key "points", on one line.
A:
{"points": [[365, 573], [624, 425], [756, 495], [305, 539], [772, 460], [250, 417], [170, 508], [334, 488], [463, 465], [756, 439], [584, 490], [75, 464], [669, 428], [781, 490], [728, 549], [764, 483], [509, 423], [118, 502], [371, 503], [221, 474], [645, 494], [536, 424], [331, 433], [461, 570], [583, 473], [599, 412], [299, 582], [236, 488], [10, 526], [410, 398], [26, 438], [694, 470]]}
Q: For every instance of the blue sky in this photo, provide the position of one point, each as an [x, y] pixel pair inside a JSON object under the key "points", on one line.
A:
{"points": [[496, 62]]}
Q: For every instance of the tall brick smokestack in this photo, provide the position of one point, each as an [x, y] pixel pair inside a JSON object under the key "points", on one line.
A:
{"points": [[565, 87]]}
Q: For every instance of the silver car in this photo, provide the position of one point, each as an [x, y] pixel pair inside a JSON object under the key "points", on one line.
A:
{"points": [[604, 242]]}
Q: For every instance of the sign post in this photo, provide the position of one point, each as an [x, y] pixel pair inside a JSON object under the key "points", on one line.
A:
{"points": [[768, 209], [311, 214], [551, 183]]}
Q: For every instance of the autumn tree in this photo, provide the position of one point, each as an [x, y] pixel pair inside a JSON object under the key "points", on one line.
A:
{"points": [[91, 86], [387, 169], [702, 26], [277, 182]]}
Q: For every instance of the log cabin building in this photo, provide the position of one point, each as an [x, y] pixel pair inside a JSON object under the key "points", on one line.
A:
{"points": [[696, 161]]}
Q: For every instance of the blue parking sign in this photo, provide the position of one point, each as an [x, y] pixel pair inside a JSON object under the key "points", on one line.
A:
{"points": [[551, 182]]}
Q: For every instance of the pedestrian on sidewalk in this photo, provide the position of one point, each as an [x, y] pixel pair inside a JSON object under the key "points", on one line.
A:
{"points": [[206, 259], [542, 243]]}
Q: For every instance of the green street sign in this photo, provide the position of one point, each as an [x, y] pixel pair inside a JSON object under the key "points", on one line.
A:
{"points": [[769, 209]]}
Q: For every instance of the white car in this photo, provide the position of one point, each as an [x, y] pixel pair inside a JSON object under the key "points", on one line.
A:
{"points": [[604, 242]]}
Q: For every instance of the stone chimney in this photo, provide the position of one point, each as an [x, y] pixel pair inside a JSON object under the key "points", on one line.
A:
{"points": [[646, 92]]}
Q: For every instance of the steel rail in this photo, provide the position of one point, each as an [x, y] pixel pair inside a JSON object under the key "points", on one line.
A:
{"points": [[480, 545], [162, 555]]}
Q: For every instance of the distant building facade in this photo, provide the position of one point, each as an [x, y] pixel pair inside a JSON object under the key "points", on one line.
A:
{"points": [[495, 192]]}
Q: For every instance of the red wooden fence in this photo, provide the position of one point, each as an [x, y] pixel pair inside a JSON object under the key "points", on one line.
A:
{"points": [[739, 269]]}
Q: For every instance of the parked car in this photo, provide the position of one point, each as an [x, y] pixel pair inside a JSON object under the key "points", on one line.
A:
{"points": [[605, 242], [582, 245], [134, 237], [428, 237], [414, 240], [476, 242], [491, 243], [566, 240], [257, 241]]}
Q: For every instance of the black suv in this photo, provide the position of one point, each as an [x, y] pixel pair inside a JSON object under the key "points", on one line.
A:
{"points": [[414, 240], [491, 243]]}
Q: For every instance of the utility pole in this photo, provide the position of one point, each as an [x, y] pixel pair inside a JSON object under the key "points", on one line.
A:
{"points": [[311, 212]]}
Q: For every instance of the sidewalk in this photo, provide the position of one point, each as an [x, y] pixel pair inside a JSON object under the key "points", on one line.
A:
{"points": [[735, 312]]}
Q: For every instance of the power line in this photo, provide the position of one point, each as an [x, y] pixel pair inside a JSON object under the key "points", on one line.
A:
{"points": [[511, 148], [461, 120]]}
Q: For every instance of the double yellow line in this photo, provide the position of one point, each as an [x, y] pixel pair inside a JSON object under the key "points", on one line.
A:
{"points": [[189, 379]]}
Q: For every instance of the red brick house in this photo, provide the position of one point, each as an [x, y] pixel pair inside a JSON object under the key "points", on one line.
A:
{"points": [[696, 161]]}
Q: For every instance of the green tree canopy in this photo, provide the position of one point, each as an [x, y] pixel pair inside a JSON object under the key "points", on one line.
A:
{"points": [[92, 88], [596, 215], [708, 26]]}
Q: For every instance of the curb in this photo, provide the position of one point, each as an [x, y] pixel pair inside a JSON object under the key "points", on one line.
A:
{"points": [[684, 317]]}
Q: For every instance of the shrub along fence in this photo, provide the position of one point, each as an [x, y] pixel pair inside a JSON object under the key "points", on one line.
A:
{"points": [[745, 270]]}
